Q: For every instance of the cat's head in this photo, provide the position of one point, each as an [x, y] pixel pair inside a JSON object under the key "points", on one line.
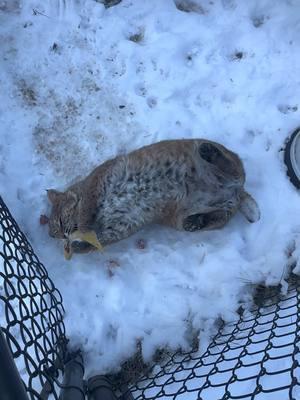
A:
{"points": [[63, 216]]}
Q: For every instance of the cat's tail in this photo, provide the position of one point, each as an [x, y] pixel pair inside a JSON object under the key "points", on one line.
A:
{"points": [[249, 208]]}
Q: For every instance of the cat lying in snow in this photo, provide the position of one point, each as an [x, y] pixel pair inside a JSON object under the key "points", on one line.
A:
{"points": [[188, 184]]}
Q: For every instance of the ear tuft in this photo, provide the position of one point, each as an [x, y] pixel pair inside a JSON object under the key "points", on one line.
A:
{"points": [[54, 195]]}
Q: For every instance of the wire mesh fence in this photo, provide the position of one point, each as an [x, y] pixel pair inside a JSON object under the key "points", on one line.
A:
{"points": [[31, 311], [257, 357]]}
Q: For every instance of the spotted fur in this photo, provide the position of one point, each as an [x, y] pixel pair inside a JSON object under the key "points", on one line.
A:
{"points": [[186, 184]]}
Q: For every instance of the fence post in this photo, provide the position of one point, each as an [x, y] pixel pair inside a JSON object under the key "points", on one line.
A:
{"points": [[73, 384], [11, 385], [99, 388]]}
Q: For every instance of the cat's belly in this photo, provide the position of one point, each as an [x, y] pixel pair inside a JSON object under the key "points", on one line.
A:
{"points": [[120, 219], [137, 195], [127, 213]]}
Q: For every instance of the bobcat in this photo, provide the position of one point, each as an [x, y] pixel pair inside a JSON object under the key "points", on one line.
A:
{"points": [[188, 184]]}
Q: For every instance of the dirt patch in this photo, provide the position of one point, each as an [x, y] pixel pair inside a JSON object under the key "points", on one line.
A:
{"points": [[137, 37], [27, 93], [189, 6]]}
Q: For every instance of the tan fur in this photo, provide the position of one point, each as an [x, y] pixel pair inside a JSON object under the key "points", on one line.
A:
{"points": [[186, 184]]}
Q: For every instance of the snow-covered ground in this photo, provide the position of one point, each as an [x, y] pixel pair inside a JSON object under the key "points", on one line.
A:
{"points": [[80, 83]]}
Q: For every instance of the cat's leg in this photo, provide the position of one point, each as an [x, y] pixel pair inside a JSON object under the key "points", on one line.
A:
{"points": [[191, 218], [208, 221], [193, 222]]}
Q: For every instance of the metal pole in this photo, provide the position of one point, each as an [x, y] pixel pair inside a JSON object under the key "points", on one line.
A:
{"points": [[100, 388], [73, 384], [11, 385]]}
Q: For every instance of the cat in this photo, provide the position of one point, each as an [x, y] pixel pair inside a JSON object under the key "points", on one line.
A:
{"points": [[187, 184]]}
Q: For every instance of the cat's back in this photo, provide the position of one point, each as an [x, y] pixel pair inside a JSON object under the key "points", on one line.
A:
{"points": [[168, 158], [166, 149], [171, 158], [184, 158]]}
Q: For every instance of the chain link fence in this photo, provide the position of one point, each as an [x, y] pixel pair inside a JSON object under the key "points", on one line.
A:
{"points": [[257, 357], [31, 311]]}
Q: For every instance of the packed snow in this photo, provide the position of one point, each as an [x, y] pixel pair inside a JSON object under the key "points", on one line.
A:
{"points": [[80, 83]]}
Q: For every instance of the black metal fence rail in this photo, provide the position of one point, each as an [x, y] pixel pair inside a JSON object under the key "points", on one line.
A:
{"points": [[31, 311], [257, 357]]}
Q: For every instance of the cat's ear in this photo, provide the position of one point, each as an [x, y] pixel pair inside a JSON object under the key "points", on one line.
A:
{"points": [[54, 196]]}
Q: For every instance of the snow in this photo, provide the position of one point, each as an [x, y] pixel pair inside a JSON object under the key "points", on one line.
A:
{"points": [[80, 83]]}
